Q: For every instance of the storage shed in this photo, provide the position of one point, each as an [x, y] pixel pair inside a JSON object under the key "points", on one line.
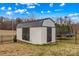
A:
{"points": [[37, 31]]}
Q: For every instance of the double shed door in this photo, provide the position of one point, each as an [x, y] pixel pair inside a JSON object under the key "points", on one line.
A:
{"points": [[49, 34], [26, 34]]}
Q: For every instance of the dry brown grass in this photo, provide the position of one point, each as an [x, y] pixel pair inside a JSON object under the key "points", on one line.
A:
{"points": [[61, 48], [39, 50], [7, 34]]}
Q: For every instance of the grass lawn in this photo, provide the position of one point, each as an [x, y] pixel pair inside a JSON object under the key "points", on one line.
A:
{"points": [[61, 48], [58, 49]]}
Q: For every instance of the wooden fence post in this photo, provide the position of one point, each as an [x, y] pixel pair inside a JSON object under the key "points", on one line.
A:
{"points": [[75, 34], [1, 39]]}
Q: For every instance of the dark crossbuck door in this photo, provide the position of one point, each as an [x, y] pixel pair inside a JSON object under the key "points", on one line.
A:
{"points": [[26, 34], [49, 34]]}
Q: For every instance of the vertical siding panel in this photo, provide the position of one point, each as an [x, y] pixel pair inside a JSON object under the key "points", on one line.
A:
{"points": [[19, 33], [53, 34]]}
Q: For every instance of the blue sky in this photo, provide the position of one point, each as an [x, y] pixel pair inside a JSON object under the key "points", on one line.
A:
{"points": [[39, 10]]}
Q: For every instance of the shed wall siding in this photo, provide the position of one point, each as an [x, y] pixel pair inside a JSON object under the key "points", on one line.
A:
{"points": [[19, 33], [53, 34], [44, 35]]}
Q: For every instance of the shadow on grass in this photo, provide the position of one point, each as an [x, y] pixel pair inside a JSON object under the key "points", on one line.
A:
{"points": [[64, 38], [48, 44]]}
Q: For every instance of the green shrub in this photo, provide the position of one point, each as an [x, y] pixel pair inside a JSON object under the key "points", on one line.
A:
{"points": [[14, 39]]}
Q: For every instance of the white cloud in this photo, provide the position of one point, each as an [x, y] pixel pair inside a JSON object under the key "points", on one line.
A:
{"points": [[9, 8], [58, 10], [70, 14], [33, 4], [48, 11], [62, 4], [8, 12], [74, 14], [74, 18], [42, 11], [37, 4], [31, 7], [30, 4], [20, 10], [23, 3], [16, 4], [51, 4], [2, 8], [27, 12]]}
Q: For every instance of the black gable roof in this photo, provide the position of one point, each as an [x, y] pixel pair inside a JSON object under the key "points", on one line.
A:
{"points": [[31, 24], [34, 23]]}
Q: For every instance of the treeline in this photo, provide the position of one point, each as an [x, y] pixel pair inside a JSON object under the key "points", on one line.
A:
{"points": [[9, 24], [63, 24]]}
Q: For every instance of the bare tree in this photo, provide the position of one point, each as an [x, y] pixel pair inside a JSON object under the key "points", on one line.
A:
{"points": [[18, 20], [1, 19], [31, 17]]}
